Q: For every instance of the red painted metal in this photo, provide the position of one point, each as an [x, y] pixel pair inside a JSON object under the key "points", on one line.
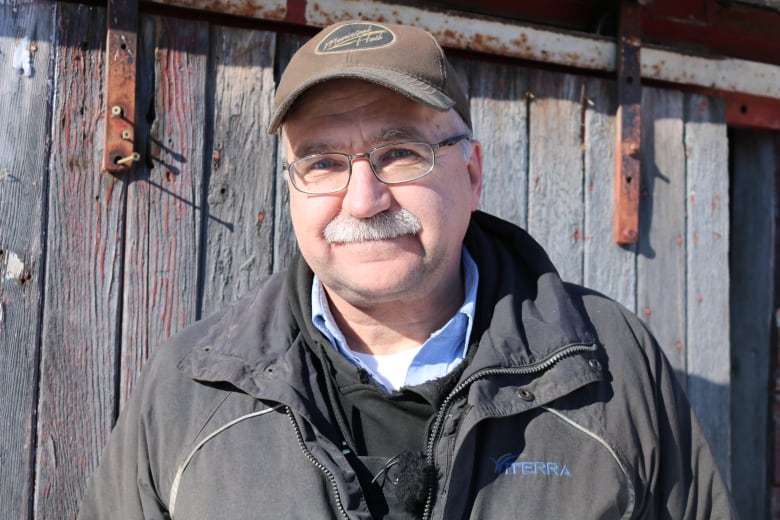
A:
{"points": [[121, 57], [627, 160], [742, 110], [725, 28], [296, 12], [752, 111], [581, 15]]}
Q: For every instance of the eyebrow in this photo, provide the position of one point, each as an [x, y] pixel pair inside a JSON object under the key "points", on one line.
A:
{"points": [[313, 148], [383, 136], [394, 134]]}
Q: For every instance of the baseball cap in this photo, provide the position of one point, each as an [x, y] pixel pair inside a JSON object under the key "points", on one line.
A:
{"points": [[402, 58]]}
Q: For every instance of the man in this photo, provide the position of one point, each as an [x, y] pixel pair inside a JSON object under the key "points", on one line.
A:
{"points": [[420, 359]]}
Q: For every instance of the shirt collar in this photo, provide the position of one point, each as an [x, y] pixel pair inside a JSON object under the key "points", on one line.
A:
{"points": [[441, 352]]}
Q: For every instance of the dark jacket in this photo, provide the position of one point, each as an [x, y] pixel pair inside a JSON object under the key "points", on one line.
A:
{"points": [[567, 409]]}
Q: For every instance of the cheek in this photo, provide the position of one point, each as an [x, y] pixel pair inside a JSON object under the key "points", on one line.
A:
{"points": [[449, 197], [442, 211], [310, 215]]}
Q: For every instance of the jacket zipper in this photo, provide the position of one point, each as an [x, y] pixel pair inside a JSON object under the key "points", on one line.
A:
{"points": [[317, 464], [541, 366]]}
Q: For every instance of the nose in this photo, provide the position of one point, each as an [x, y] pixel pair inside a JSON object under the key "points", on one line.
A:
{"points": [[365, 195]]}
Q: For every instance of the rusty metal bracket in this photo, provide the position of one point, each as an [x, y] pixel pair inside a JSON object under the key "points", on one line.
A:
{"points": [[629, 124], [121, 51]]}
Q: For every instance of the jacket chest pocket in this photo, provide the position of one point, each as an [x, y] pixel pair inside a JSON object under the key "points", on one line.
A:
{"points": [[540, 465]]}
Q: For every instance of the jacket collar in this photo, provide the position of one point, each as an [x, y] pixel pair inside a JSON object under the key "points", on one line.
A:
{"points": [[524, 315], [524, 311]]}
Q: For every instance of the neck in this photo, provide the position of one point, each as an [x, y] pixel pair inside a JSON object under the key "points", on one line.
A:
{"points": [[392, 327]]}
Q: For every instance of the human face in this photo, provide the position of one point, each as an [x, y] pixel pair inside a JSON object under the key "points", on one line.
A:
{"points": [[353, 117]]}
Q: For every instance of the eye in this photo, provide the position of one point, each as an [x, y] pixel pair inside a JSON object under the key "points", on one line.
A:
{"points": [[322, 165], [398, 155]]}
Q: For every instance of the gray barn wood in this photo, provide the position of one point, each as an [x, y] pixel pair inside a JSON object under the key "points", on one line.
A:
{"points": [[752, 259], [24, 121], [707, 270], [285, 246], [82, 280], [242, 183], [500, 121], [555, 169], [661, 247], [164, 202], [608, 268]]}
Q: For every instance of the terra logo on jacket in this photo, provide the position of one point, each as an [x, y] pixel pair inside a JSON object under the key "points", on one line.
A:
{"points": [[509, 465]]}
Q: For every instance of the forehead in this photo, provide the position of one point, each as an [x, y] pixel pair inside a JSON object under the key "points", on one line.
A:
{"points": [[361, 108]]}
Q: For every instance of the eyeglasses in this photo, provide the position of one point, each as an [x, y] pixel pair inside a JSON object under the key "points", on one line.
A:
{"points": [[395, 163]]}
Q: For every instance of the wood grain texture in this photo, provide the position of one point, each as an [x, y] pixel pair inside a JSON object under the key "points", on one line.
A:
{"points": [[26, 33], [661, 247], [499, 112], [751, 244], [241, 188], [165, 197], [285, 244], [707, 188], [555, 176], [83, 272], [608, 267]]}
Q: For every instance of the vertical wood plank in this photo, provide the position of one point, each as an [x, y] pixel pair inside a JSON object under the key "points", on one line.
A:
{"points": [[135, 342], [165, 198], [708, 357], [285, 244], [555, 190], [751, 240], [241, 189], [608, 268], [83, 272], [25, 51], [661, 247], [500, 118]]}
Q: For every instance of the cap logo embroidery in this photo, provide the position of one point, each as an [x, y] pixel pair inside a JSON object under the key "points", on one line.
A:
{"points": [[356, 37]]}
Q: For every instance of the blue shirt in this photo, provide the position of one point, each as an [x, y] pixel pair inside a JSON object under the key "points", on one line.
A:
{"points": [[441, 352]]}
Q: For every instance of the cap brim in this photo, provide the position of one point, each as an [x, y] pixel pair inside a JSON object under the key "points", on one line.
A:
{"points": [[403, 84]]}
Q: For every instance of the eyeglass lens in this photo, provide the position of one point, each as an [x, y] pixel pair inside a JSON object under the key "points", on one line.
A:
{"points": [[393, 163]]}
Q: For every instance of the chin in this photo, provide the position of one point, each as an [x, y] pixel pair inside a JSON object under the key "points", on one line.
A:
{"points": [[377, 290]]}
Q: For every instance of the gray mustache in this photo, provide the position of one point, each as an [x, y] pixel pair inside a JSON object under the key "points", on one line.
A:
{"points": [[383, 226]]}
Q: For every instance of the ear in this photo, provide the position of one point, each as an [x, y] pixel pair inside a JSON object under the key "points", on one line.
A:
{"points": [[286, 151], [474, 167]]}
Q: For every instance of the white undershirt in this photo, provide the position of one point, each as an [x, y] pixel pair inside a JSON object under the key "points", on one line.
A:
{"points": [[390, 369]]}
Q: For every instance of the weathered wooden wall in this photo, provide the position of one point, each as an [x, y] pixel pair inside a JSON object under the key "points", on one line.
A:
{"points": [[753, 267], [25, 106], [97, 270]]}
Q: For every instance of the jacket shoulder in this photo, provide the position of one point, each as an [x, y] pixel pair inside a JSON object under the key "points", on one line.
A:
{"points": [[219, 326], [608, 317]]}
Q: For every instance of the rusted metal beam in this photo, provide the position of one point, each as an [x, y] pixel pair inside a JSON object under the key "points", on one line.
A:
{"points": [[628, 132], [516, 39], [721, 74], [752, 112], [121, 51]]}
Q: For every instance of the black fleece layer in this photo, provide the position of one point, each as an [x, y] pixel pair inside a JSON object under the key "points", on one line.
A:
{"points": [[385, 431]]}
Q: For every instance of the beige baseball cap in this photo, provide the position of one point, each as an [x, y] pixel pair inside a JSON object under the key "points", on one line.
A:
{"points": [[402, 58]]}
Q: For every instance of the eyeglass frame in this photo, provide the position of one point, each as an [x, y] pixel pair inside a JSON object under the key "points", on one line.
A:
{"points": [[435, 147]]}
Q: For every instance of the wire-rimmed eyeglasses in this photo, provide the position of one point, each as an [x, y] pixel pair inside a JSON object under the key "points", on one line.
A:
{"points": [[396, 163]]}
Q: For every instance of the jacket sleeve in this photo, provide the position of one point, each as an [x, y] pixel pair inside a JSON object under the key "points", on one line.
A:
{"points": [[123, 485], [681, 476]]}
